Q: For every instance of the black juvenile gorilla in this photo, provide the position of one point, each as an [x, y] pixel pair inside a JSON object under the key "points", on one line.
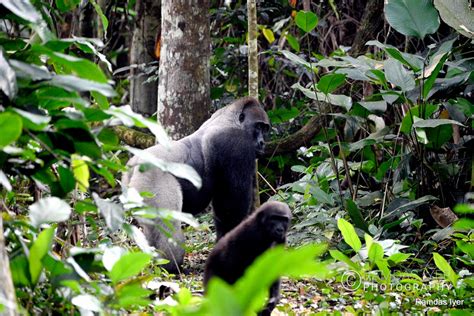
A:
{"points": [[265, 228], [223, 151]]}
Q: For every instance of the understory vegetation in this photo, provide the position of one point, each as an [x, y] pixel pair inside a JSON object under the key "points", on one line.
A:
{"points": [[380, 182]]}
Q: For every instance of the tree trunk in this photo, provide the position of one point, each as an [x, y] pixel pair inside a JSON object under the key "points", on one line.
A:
{"points": [[184, 78], [253, 48], [370, 24], [253, 76], [144, 96], [83, 20], [7, 291]]}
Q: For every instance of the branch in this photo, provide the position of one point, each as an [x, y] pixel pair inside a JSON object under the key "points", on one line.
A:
{"points": [[294, 141]]}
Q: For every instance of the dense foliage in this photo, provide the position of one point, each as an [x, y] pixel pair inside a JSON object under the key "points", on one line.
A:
{"points": [[382, 187]]}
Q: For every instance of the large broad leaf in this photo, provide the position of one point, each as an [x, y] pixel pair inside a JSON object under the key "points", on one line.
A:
{"points": [[349, 234], [293, 263], [112, 212], [87, 302], [457, 14], [412, 17], [129, 265], [24, 9], [7, 78], [73, 83], [444, 266], [398, 75], [336, 99], [49, 209], [432, 123], [38, 250], [330, 82], [10, 125], [306, 20], [177, 169]]}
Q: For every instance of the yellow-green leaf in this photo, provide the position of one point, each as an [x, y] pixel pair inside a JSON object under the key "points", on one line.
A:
{"points": [[81, 172], [268, 35], [349, 234]]}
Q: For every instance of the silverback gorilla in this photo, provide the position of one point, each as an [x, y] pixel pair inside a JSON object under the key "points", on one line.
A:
{"points": [[223, 151], [265, 228]]}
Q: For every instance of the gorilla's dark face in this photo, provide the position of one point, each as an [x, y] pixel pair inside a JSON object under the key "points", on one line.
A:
{"points": [[276, 226], [256, 122]]}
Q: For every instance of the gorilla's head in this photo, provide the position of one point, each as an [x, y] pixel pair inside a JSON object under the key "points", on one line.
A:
{"points": [[253, 119], [274, 219]]}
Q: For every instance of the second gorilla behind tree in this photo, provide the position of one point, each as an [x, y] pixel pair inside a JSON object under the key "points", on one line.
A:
{"points": [[223, 151], [237, 250]]}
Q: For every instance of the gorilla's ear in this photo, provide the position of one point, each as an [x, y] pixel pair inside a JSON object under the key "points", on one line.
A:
{"points": [[241, 117]]}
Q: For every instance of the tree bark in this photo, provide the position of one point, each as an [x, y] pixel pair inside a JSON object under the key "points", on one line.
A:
{"points": [[7, 291], [370, 24], [184, 79], [253, 48], [144, 96]]}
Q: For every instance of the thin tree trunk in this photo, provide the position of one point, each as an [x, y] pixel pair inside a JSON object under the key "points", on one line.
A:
{"points": [[184, 78], [253, 48], [144, 96], [253, 76], [7, 291]]}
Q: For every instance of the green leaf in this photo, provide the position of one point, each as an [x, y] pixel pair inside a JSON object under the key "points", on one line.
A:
{"points": [[268, 34], [375, 252], [337, 255], [458, 14], [374, 106], [329, 83], [11, 126], [356, 215], [295, 59], [349, 234], [129, 265], [432, 123], [293, 42], [306, 20], [80, 170], [73, 83], [398, 75], [274, 263], [103, 18], [24, 9], [397, 258], [408, 119], [66, 179], [38, 250], [49, 210], [33, 121], [412, 18], [66, 5], [133, 294], [428, 84], [444, 266], [112, 212], [7, 78], [222, 299], [20, 271], [336, 99]]}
